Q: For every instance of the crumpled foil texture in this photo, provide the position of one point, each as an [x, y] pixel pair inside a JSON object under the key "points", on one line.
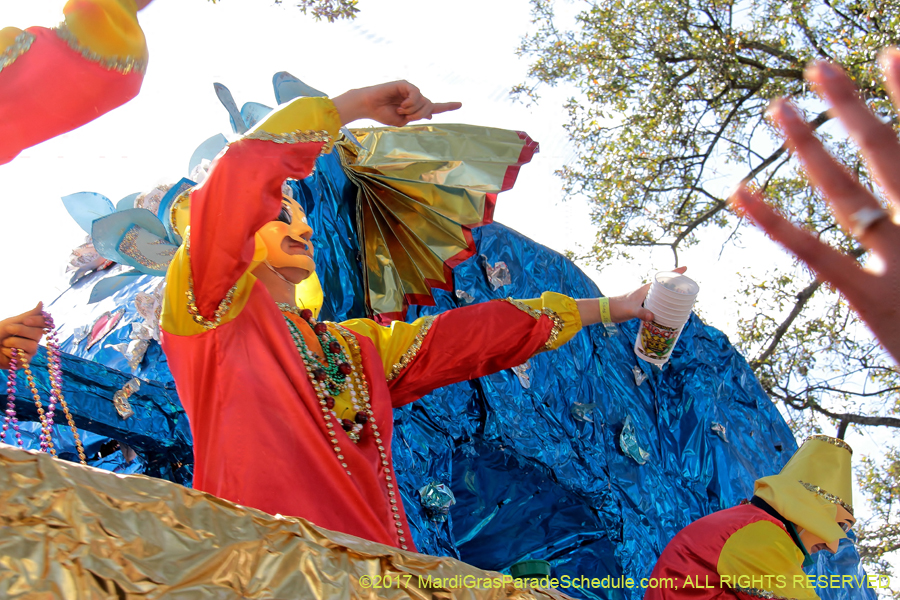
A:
{"points": [[77, 533]]}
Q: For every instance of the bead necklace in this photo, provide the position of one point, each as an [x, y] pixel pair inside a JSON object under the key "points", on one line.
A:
{"points": [[54, 370], [332, 378], [358, 391], [336, 368]]}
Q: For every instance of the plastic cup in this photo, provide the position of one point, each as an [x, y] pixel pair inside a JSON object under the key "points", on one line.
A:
{"points": [[670, 299], [667, 318], [656, 341], [686, 301], [655, 303], [670, 282]]}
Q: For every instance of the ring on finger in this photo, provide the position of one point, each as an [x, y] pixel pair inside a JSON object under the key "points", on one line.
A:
{"points": [[863, 219]]}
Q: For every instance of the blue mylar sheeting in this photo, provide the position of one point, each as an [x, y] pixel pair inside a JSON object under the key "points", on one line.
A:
{"points": [[64, 441], [537, 472], [843, 563], [158, 431], [329, 200], [534, 478]]}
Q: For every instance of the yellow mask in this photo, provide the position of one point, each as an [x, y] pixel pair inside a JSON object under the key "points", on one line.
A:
{"points": [[287, 239], [268, 245]]}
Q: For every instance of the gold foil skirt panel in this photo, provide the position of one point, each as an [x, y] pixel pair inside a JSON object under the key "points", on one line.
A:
{"points": [[74, 532]]}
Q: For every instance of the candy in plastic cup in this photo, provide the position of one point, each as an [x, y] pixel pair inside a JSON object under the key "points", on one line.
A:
{"points": [[656, 341], [670, 299]]}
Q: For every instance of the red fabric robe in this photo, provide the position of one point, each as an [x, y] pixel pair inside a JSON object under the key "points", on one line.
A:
{"points": [[259, 435]]}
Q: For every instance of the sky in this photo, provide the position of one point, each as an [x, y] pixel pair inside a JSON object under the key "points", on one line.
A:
{"points": [[453, 51], [241, 43]]}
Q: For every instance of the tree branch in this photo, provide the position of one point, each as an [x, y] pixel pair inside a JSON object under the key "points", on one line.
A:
{"points": [[821, 119], [826, 388], [802, 298], [718, 205], [756, 45], [842, 429], [851, 418], [786, 73]]}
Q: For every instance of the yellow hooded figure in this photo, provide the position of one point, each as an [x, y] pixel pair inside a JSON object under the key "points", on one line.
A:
{"points": [[760, 547], [814, 491]]}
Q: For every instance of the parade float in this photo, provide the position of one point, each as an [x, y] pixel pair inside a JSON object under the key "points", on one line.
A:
{"points": [[587, 457]]}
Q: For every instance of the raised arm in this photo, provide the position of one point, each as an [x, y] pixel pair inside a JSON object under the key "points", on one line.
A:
{"points": [[55, 80], [242, 193]]}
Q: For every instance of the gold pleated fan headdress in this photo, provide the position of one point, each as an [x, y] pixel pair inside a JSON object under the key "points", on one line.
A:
{"points": [[422, 189]]}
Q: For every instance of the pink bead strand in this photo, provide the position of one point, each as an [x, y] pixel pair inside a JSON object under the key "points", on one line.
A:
{"points": [[9, 419], [54, 372]]}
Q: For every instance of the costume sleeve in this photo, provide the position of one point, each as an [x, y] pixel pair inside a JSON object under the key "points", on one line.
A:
{"points": [[54, 80], [468, 342], [761, 559], [208, 281]]}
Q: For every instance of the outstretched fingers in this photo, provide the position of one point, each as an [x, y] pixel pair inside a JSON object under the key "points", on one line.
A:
{"points": [[831, 265], [844, 192], [425, 109], [877, 140], [440, 107], [889, 58]]}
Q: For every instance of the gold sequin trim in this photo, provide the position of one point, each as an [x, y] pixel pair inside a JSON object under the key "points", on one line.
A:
{"points": [[19, 47], [192, 309], [551, 314], [830, 497], [831, 440], [186, 195], [121, 64], [300, 136], [413, 350], [352, 342], [129, 248], [758, 593]]}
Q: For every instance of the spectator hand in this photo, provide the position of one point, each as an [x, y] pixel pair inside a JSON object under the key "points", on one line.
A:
{"points": [[875, 295], [23, 332]]}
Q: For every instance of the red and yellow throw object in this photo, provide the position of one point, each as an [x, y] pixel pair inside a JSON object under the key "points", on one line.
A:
{"points": [[55, 80]]}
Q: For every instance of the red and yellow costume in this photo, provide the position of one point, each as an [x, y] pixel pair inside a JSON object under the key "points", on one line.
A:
{"points": [[748, 551], [54, 80], [260, 437]]}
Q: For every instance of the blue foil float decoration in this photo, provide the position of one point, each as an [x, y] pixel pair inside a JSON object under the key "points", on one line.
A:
{"points": [[537, 471]]}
